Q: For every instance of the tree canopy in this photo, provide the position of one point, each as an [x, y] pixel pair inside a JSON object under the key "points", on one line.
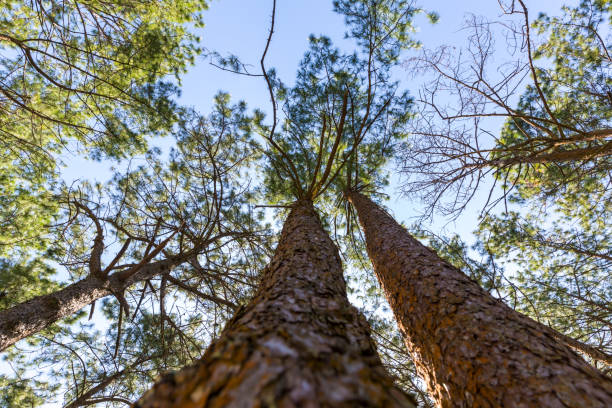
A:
{"points": [[173, 243], [549, 161]]}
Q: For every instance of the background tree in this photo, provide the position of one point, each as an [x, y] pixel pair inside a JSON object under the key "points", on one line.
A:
{"points": [[188, 212], [160, 219], [90, 78], [556, 137], [550, 162]]}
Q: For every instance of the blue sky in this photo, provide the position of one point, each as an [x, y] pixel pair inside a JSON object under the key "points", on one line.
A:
{"points": [[240, 27]]}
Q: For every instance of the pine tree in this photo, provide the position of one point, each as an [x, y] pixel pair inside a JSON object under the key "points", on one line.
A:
{"points": [[298, 342], [469, 347], [153, 240], [550, 161]]}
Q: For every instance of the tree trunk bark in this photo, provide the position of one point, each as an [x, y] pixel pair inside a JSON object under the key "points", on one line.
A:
{"points": [[298, 342], [36, 314], [470, 348]]}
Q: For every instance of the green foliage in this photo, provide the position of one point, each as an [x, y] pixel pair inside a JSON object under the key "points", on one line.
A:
{"points": [[81, 77], [17, 392], [560, 240], [345, 113], [562, 271], [574, 77], [23, 281], [90, 70]]}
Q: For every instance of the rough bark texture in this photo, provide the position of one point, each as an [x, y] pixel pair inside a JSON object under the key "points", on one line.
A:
{"points": [[471, 349], [34, 315], [298, 343]]}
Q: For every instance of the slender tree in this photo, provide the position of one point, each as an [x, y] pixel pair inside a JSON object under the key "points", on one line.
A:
{"points": [[470, 348], [79, 77]]}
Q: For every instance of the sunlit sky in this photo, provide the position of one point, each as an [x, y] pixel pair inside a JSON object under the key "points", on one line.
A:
{"points": [[240, 27]]}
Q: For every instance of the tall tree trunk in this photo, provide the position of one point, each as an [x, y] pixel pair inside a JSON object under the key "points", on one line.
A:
{"points": [[34, 315], [470, 348], [298, 342]]}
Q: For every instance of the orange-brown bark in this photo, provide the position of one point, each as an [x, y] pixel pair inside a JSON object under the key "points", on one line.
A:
{"points": [[298, 343], [470, 348]]}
